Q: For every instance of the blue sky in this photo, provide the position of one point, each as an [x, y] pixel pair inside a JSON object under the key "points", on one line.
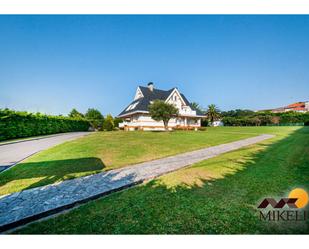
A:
{"points": [[54, 63]]}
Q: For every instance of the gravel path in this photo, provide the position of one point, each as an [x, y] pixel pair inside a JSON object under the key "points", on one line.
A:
{"points": [[28, 205], [12, 153]]}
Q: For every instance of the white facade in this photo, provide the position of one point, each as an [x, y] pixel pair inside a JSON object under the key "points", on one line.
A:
{"points": [[145, 122]]}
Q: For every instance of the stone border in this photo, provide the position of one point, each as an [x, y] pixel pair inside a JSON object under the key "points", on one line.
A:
{"points": [[39, 216], [29, 205]]}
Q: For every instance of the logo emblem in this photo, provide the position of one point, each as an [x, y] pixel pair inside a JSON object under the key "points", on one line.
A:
{"points": [[297, 199]]}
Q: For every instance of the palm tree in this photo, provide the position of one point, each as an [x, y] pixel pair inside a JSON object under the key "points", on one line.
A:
{"points": [[197, 107], [213, 113]]}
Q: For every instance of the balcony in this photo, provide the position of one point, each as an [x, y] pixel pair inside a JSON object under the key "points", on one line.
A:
{"points": [[187, 112]]}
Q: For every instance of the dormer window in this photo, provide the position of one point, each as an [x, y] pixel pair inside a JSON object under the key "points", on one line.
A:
{"points": [[130, 107]]}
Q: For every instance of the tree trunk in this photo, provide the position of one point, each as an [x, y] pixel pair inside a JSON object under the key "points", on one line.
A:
{"points": [[165, 122]]}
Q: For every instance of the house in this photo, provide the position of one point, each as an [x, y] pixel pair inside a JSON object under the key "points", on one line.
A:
{"points": [[277, 110], [136, 115], [217, 123], [296, 107]]}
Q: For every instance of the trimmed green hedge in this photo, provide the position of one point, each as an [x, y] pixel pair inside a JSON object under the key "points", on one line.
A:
{"points": [[266, 118], [15, 124]]}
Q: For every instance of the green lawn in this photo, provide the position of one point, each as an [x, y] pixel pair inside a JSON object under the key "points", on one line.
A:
{"points": [[104, 151], [219, 195]]}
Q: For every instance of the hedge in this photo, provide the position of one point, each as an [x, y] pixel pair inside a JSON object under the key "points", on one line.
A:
{"points": [[15, 124], [278, 119]]}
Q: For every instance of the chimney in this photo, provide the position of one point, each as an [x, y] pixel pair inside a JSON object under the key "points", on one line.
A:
{"points": [[150, 86]]}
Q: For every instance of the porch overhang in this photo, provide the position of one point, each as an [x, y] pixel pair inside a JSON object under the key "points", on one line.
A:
{"points": [[131, 113]]}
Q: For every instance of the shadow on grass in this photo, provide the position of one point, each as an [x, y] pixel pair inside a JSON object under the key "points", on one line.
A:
{"points": [[225, 203], [34, 174]]}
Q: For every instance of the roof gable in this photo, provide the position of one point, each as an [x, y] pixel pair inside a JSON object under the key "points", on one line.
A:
{"points": [[175, 90], [138, 94]]}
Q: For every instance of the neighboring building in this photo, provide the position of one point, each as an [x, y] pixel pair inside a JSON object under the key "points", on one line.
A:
{"points": [[278, 110], [136, 115], [217, 123], [297, 107]]}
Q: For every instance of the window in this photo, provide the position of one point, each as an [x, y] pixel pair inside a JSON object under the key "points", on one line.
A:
{"points": [[130, 107], [134, 105]]}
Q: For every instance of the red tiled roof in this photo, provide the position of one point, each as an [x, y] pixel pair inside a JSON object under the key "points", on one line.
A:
{"points": [[296, 105]]}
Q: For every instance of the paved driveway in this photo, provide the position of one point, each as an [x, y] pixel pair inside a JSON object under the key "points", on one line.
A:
{"points": [[14, 152]]}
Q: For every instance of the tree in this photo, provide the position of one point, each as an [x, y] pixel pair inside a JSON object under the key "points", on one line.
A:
{"points": [[108, 123], [197, 107], [75, 114], [117, 121], [95, 118], [265, 119], [237, 113], [275, 120], [255, 121], [160, 110], [213, 113]]}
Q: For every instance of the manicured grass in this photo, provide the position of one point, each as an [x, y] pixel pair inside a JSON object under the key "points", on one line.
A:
{"points": [[104, 151], [219, 195]]}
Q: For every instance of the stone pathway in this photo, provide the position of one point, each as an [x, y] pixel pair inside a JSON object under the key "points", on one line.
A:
{"points": [[13, 152], [28, 205]]}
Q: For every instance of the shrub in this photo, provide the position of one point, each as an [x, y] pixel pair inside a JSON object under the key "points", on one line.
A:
{"points": [[108, 123], [117, 121], [16, 124], [204, 122]]}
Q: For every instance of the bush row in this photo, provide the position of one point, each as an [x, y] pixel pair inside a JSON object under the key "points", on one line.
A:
{"points": [[15, 124], [288, 118]]}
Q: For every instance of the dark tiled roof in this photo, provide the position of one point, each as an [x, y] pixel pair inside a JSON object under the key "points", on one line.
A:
{"points": [[156, 94]]}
